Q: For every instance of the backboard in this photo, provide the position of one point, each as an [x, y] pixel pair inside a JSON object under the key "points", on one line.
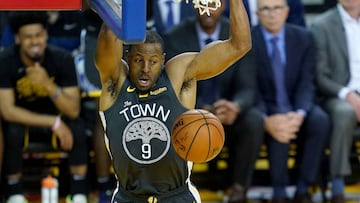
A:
{"points": [[126, 18]]}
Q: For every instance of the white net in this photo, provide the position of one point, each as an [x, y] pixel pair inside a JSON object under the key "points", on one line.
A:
{"points": [[205, 6]]}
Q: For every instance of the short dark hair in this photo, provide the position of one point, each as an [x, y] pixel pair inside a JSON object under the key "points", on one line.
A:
{"points": [[151, 37], [18, 19]]}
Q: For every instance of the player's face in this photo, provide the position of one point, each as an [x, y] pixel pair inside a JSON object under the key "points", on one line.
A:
{"points": [[145, 63], [32, 40], [272, 14]]}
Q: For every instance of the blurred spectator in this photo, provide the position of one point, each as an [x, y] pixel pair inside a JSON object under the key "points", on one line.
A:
{"points": [[296, 15], [286, 69], [167, 13], [338, 75], [229, 96], [3, 23], [64, 29], [89, 82], [39, 95], [1, 149]]}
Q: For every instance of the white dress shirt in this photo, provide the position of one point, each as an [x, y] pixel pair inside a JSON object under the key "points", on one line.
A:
{"points": [[352, 30], [164, 10]]}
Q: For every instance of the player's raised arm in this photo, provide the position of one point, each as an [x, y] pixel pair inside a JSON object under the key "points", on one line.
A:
{"points": [[108, 55], [218, 56]]}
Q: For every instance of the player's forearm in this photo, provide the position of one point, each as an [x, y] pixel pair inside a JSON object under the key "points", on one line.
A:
{"points": [[108, 53], [240, 35]]}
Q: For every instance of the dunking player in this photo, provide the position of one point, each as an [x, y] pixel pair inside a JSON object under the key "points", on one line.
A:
{"points": [[141, 99]]}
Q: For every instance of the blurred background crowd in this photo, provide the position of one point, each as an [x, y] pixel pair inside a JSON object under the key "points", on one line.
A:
{"points": [[293, 101]]}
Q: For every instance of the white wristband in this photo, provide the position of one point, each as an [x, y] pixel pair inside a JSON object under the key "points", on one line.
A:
{"points": [[57, 123]]}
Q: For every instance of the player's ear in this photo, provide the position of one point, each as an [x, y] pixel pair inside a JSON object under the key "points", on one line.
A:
{"points": [[127, 55]]}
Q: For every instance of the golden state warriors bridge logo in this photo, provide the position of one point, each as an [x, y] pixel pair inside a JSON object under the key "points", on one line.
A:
{"points": [[146, 140]]}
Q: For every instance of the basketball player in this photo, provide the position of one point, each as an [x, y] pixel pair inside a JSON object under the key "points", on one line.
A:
{"points": [[141, 99]]}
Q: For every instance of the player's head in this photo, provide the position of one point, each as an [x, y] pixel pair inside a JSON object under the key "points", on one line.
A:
{"points": [[208, 22], [30, 32], [146, 61], [272, 14]]}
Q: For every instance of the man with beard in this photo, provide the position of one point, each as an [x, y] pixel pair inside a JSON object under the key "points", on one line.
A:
{"points": [[39, 95]]}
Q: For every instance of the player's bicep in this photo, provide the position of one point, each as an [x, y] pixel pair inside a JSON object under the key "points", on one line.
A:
{"points": [[178, 69]]}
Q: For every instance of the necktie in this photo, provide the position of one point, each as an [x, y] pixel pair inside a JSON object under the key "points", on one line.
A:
{"points": [[279, 72], [169, 19], [208, 87], [208, 40]]}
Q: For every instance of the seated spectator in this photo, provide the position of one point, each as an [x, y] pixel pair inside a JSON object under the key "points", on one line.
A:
{"points": [[64, 29], [230, 96], [89, 82], [338, 75], [296, 14], [1, 149], [286, 69], [39, 93], [168, 13]]}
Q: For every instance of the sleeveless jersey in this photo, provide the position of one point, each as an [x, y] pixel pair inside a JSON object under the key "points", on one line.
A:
{"points": [[138, 128]]}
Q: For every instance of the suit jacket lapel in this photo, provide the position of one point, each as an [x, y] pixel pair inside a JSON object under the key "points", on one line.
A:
{"points": [[263, 52], [339, 32], [192, 38], [290, 43]]}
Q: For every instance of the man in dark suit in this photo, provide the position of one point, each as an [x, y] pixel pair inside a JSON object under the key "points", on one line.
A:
{"points": [[296, 14], [231, 98], [285, 69], [161, 12], [337, 38]]}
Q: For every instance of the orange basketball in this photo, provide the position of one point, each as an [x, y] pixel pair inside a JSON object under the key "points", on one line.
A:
{"points": [[197, 135]]}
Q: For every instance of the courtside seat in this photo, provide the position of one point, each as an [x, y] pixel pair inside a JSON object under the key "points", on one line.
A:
{"points": [[44, 156], [355, 155]]}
